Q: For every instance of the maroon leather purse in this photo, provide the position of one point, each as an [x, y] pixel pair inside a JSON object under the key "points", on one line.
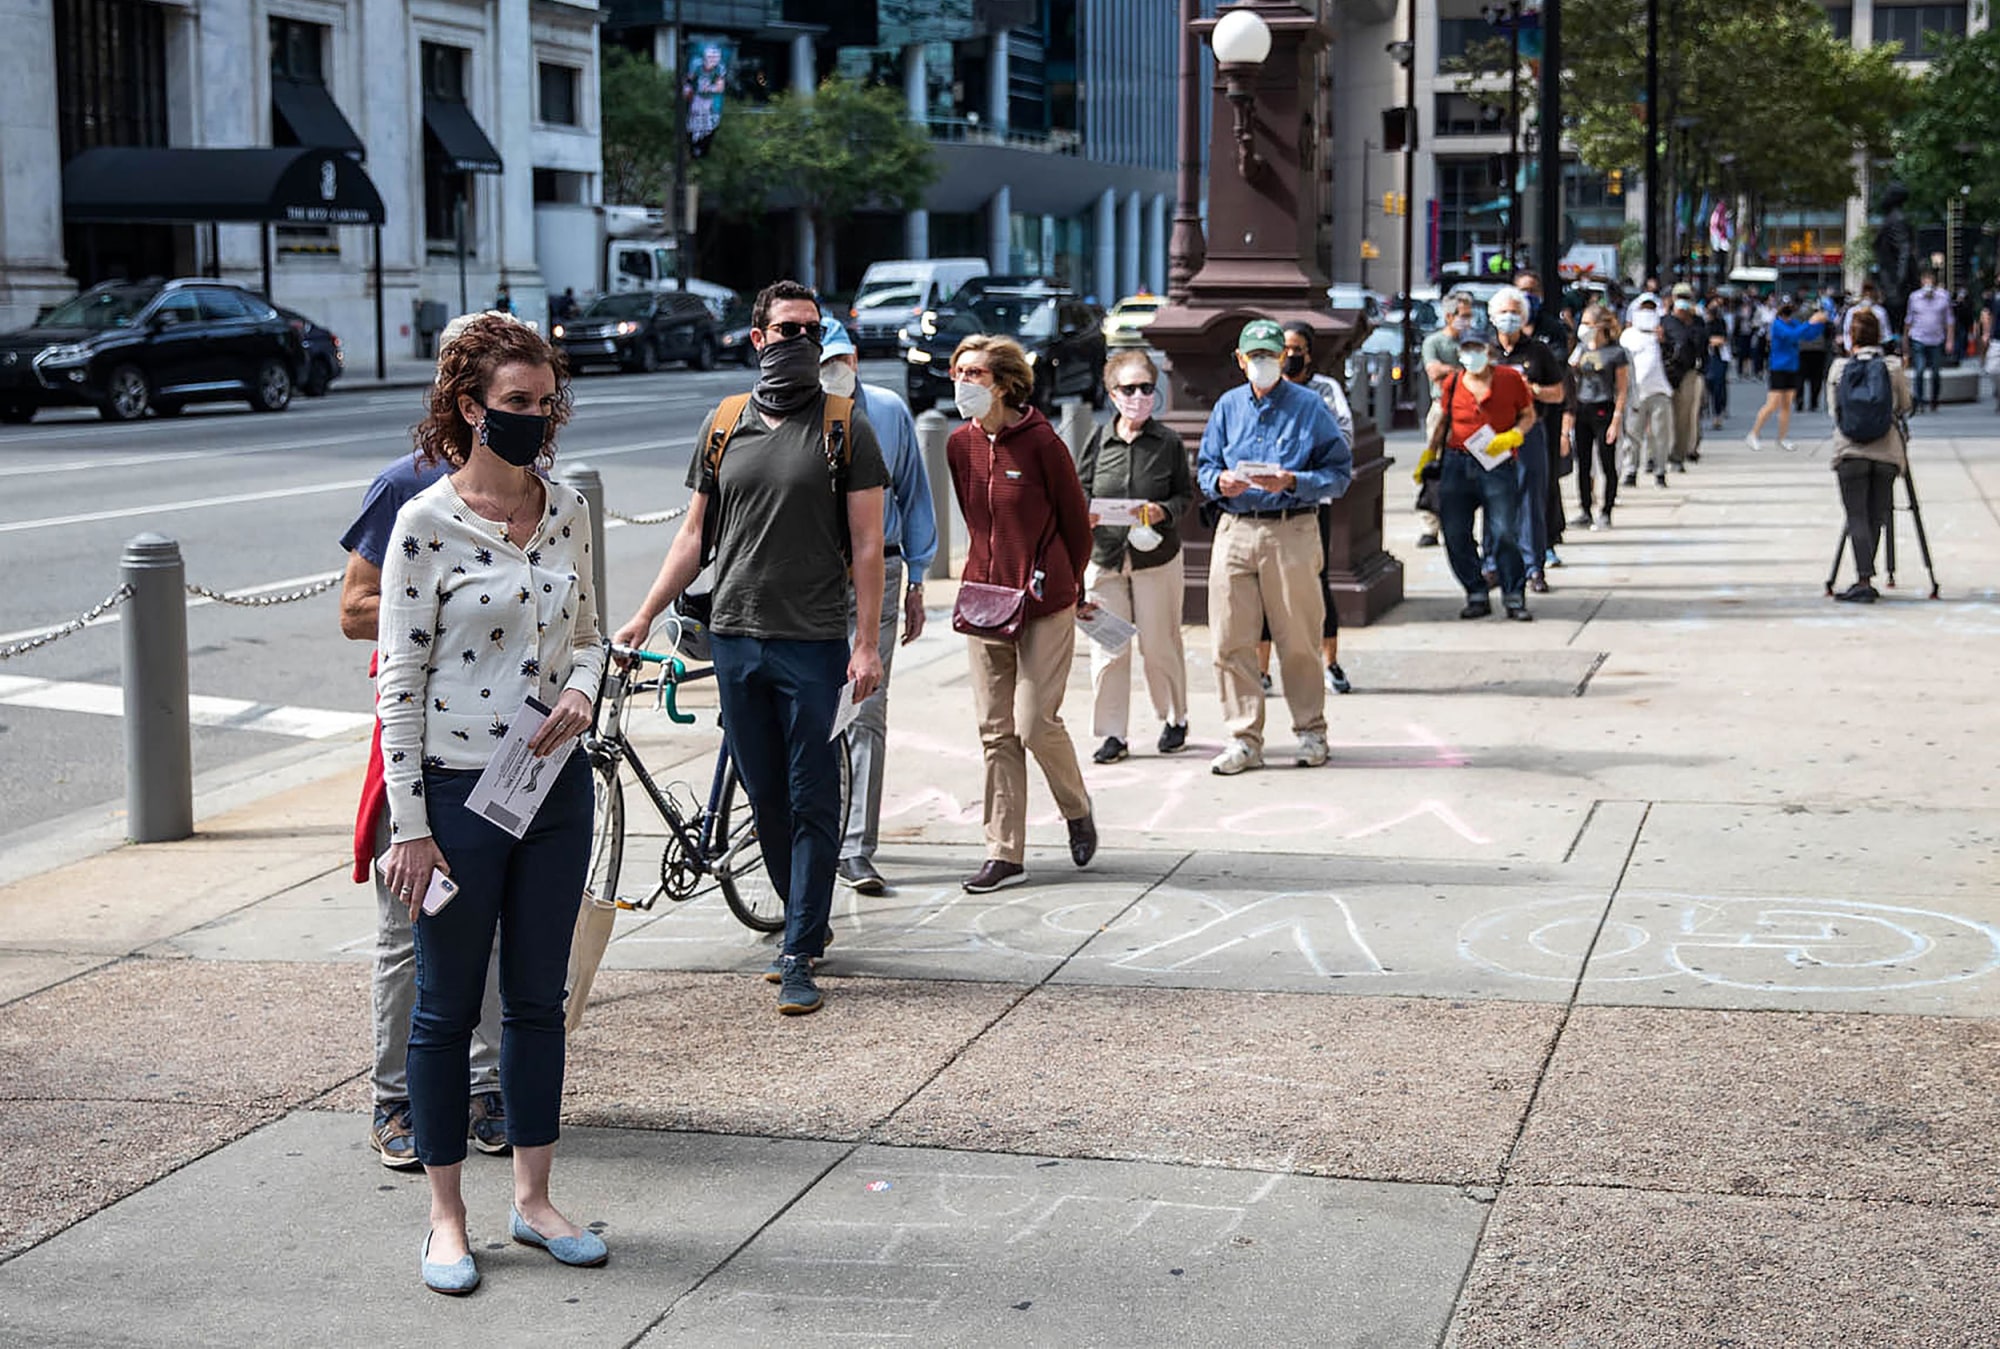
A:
{"points": [[997, 612]]}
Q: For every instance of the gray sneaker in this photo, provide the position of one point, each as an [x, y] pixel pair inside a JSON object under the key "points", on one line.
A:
{"points": [[391, 1137], [798, 995], [486, 1123]]}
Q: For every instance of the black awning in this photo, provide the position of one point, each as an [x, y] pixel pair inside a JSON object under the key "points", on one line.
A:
{"points": [[314, 118], [457, 139], [291, 185]]}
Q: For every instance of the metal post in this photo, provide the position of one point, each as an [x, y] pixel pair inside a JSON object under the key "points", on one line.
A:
{"points": [[458, 229], [1552, 158], [1514, 137], [381, 323], [1076, 423], [585, 480], [1652, 232], [159, 765], [678, 204], [933, 430], [1189, 248], [1366, 147], [1410, 371]]}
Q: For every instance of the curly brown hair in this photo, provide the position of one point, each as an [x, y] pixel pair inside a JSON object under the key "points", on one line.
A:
{"points": [[466, 365]]}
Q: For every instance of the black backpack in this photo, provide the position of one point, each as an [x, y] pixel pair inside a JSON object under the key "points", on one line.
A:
{"points": [[1866, 398]]}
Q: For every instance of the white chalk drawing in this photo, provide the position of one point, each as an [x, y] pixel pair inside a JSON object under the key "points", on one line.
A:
{"points": [[1319, 927], [1786, 944]]}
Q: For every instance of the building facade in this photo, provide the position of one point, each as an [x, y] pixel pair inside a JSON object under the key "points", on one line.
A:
{"points": [[460, 111]]}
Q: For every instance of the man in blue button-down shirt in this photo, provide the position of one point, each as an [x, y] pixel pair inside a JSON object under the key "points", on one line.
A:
{"points": [[1271, 453], [909, 541]]}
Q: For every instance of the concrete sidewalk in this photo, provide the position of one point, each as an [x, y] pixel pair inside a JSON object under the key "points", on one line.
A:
{"points": [[1627, 979]]}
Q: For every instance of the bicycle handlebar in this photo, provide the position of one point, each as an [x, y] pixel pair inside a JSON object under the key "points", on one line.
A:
{"points": [[672, 672]]}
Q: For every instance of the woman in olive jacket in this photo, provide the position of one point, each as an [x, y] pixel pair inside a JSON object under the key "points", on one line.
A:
{"points": [[1136, 573]]}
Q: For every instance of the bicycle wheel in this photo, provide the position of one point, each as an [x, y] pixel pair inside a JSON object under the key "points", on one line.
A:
{"points": [[746, 886], [607, 839]]}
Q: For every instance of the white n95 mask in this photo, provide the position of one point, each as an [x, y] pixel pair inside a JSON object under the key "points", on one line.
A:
{"points": [[1144, 538]]}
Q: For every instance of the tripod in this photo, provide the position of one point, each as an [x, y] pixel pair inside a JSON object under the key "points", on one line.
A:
{"points": [[1889, 531]]}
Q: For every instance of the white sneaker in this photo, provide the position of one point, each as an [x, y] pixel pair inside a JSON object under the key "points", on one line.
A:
{"points": [[1788, 447], [1752, 441], [1312, 750], [1240, 755]]}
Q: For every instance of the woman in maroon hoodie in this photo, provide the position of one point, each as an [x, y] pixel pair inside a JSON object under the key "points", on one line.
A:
{"points": [[1030, 530]]}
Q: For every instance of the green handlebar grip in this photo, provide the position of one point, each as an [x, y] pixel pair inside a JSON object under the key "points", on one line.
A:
{"points": [[675, 671]]}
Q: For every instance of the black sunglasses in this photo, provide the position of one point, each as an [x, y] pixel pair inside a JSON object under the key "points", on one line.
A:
{"points": [[790, 329], [1134, 388]]}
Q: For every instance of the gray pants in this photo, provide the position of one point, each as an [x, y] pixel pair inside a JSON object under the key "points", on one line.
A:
{"points": [[395, 996], [868, 737], [1648, 433]]}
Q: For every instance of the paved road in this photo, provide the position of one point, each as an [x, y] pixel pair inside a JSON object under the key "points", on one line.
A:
{"points": [[254, 501]]}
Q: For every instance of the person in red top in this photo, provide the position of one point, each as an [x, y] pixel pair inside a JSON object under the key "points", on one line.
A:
{"points": [[1481, 398], [1030, 529]]}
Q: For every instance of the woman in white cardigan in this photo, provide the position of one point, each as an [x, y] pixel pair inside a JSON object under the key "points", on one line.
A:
{"points": [[486, 606]]}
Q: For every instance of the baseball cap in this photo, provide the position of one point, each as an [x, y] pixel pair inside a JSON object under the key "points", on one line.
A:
{"points": [[1261, 335], [1648, 300], [835, 341], [1682, 288]]}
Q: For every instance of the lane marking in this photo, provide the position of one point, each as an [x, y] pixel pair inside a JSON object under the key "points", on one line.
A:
{"points": [[235, 714]]}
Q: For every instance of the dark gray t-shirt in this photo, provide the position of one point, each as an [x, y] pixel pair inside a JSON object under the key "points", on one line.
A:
{"points": [[779, 573], [1597, 373]]}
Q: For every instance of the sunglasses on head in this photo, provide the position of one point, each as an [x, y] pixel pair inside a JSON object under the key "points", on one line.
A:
{"points": [[790, 329], [1129, 389]]}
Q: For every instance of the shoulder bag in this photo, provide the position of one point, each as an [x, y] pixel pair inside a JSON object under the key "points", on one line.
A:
{"points": [[993, 611]]}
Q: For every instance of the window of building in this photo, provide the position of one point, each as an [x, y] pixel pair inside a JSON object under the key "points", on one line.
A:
{"points": [[303, 113], [296, 51], [1463, 115], [558, 95], [1457, 36], [447, 191], [1841, 17], [1470, 206], [563, 186], [1917, 27]]}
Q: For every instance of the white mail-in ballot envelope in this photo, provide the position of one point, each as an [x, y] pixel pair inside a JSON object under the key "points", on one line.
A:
{"points": [[515, 782], [1116, 510]]}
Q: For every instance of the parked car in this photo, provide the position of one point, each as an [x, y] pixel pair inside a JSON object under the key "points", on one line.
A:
{"points": [[734, 341], [1126, 324], [1064, 338], [126, 347], [638, 330], [1383, 348], [325, 361], [891, 294]]}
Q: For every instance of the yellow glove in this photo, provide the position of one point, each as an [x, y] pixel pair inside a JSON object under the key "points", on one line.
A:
{"points": [[1424, 460], [1505, 443]]}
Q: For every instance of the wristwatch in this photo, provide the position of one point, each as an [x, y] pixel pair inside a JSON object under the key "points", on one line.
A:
{"points": [[914, 588]]}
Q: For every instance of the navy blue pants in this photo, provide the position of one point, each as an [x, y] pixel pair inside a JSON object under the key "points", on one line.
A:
{"points": [[527, 890], [778, 701], [1530, 526], [1465, 486]]}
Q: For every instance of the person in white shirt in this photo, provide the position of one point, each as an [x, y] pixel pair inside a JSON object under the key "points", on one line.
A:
{"points": [[1649, 426], [487, 607]]}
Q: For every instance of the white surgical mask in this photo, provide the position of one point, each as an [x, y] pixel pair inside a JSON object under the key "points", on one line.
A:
{"points": [[1263, 372], [838, 379], [973, 401], [1646, 320], [1507, 322], [1135, 407], [1474, 360], [1143, 537]]}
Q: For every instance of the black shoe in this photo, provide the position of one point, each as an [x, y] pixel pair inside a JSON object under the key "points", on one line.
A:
{"points": [[1582, 521], [1427, 540], [1694, 456], [1630, 480], [1479, 608], [1111, 751], [1538, 585], [1859, 593], [1336, 679], [1518, 611], [798, 992], [1660, 479], [859, 875], [1173, 737], [1265, 680], [1082, 840], [993, 875]]}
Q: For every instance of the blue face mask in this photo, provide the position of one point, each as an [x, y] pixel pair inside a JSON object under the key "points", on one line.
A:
{"points": [[1475, 360], [1509, 322]]}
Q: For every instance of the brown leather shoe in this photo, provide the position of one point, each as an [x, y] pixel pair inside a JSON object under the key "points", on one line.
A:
{"points": [[1082, 840], [994, 875]]}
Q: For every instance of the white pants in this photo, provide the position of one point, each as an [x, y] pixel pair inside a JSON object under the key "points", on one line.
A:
{"points": [[1149, 598]]}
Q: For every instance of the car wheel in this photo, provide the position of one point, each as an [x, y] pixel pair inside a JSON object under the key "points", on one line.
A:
{"points": [[704, 355], [271, 391], [18, 414], [126, 395], [645, 357]]}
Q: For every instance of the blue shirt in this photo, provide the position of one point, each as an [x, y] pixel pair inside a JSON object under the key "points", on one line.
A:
{"points": [[1785, 335], [1289, 426], [394, 485], [908, 519]]}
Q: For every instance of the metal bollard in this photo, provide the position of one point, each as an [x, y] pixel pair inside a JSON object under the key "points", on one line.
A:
{"points": [[1076, 425], [584, 479], [933, 430], [159, 764], [1385, 396]]}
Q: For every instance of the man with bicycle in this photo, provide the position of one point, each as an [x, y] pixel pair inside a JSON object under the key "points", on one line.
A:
{"points": [[784, 507]]}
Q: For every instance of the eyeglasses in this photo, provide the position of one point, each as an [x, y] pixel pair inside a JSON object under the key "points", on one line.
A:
{"points": [[790, 329], [1129, 389]]}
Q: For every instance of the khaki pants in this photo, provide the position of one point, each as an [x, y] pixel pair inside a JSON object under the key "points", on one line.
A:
{"points": [[1151, 599], [1017, 692], [1261, 570], [1687, 416]]}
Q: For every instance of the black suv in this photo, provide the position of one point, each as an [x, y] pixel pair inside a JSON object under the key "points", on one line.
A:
{"points": [[126, 346], [1063, 336], [637, 330]]}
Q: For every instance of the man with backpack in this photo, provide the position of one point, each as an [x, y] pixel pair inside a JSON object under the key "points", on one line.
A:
{"points": [[787, 492], [1871, 398]]}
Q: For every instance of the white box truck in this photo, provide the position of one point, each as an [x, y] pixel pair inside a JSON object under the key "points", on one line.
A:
{"points": [[603, 250]]}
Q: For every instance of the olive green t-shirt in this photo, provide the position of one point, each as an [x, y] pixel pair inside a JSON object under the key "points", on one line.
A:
{"points": [[779, 572]]}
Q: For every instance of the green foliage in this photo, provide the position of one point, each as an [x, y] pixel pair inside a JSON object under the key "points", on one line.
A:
{"points": [[1956, 106], [637, 116]]}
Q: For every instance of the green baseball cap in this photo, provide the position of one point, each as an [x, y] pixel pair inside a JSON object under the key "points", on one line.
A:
{"points": [[1261, 335]]}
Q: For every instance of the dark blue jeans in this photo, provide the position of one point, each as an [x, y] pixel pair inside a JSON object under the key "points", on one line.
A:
{"points": [[1465, 486], [1717, 378], [777, 713], [526, 889], [1929, 361], [1531, 521]]}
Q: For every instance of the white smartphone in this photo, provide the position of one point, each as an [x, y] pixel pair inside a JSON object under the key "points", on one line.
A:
{"points": [[442, 888]]}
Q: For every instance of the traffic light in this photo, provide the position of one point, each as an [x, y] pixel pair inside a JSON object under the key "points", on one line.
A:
{"points": [[1395, 203], [1616, 187]]}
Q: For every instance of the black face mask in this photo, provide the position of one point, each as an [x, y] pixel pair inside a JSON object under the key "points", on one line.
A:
{"points": [[1294, 364], [787, 376], [515, 436]]}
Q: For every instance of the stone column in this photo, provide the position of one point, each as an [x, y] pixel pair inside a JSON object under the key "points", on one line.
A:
{"points": [[805, 241], [228, 114], [1104, 276], [513, 192], [917, 99], [805, 72], [390, 123], [1128, 247], [32, 271], [805, 83], [1156, 244], [1000, 230], [998, 66]]}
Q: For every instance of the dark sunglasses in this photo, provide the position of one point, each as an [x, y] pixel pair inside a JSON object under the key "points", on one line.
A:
{"points": [[790, 329], [1146, 389]]}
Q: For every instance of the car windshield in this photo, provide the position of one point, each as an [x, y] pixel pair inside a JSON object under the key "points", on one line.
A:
{"points": [[1009, 315], [98, 309], [900, 297], [630, 306], [737, 315]]}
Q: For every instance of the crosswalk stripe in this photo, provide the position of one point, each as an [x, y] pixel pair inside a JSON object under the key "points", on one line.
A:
{"points": [[235, 714]]}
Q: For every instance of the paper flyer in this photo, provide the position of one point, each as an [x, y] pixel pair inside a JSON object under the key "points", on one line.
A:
{"points": [[1477, 445], [515, 782], [844, 711], [1116, 510], [1106, 629]]}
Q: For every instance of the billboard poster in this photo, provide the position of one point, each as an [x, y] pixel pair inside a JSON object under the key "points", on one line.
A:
{"points": [[709, 63]]}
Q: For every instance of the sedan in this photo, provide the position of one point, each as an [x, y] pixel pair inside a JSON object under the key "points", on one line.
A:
{"points": [[1063, 336], [640, 330]]}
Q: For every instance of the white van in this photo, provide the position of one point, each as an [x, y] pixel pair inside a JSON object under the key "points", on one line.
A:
{"points": [[892, 294]]}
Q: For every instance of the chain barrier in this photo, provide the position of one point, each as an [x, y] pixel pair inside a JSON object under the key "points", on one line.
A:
{"points": [[265, 601], [89, 616], [654, 518]]}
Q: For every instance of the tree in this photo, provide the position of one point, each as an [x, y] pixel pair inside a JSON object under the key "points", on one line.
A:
{"points": [[638, 125], [1948, 148], [847, 147]]}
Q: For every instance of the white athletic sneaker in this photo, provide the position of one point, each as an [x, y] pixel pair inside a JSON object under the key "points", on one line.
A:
{"points": [[1240, 755], [1312, 750], [1752, 441], [1788, 447]]}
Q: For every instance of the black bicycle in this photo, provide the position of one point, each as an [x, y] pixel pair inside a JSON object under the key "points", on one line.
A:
{"points": [[715, 842]]}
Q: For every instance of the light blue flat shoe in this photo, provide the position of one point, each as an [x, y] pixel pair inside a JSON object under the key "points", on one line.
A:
{"points": [[456, 1279], [584, 1251]]}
